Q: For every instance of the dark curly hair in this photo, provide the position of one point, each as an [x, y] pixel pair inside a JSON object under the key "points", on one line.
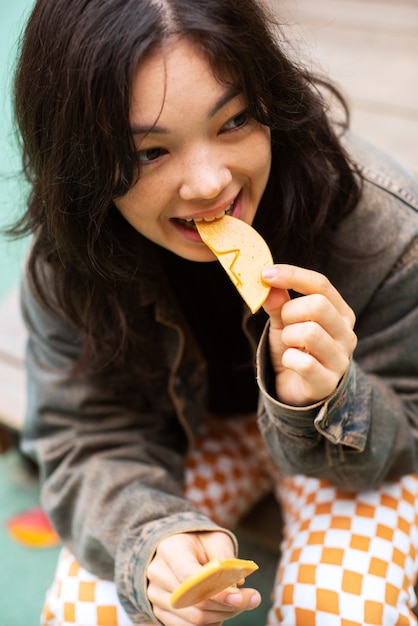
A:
{"points": [[72, 98]]}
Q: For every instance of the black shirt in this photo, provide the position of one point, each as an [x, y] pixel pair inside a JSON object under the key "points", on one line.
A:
{"points": [[214, 308]]}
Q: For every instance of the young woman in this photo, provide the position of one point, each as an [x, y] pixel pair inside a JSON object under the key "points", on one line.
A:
{"points": [[159, 409]]}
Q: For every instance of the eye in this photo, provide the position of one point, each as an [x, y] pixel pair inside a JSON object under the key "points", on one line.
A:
{"points": [[150, 155], [237, 121]]}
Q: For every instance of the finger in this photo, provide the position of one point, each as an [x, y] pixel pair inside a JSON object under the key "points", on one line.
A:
{"points": [[212, 612], [181, 548], [326, 334], [160, 588], [317, 308], [179, 556], [194, 618], [312, 338], [216, 545], [244, 598], [305, 380], [169, 568], [307, 282], [315, 374], [231, 602]]}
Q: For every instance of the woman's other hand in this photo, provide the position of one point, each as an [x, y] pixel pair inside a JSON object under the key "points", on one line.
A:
{"points": [[311, 337], [181, 555]]}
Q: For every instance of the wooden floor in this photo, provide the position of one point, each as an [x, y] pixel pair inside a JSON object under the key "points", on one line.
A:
{"points": [[370, 48]]}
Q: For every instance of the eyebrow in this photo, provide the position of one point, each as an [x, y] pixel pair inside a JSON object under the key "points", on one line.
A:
{"points": [[232, 93]]}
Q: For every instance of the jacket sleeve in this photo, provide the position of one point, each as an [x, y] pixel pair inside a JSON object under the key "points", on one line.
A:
{"points": [[367, 431], [111, 476]]}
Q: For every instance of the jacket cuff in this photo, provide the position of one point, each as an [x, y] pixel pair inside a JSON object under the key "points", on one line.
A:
{"points": [[336, 419]]}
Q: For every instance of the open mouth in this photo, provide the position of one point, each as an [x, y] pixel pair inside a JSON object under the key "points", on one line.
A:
{"points": [[190, 223]]}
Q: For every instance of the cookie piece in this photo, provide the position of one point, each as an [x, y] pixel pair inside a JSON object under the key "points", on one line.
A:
{"points": [[242, 252], [213, 577]]}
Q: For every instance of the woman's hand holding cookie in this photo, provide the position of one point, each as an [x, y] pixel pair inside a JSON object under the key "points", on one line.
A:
{"points": [[311, 337]]}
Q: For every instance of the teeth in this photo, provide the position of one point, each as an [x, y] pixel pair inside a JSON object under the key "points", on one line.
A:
{"points": [[213, 217]]}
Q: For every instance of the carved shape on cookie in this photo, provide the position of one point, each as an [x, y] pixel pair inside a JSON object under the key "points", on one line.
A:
{"points": [[242, 252]]}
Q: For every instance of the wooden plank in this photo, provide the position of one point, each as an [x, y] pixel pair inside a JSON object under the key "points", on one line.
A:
{"points": [[369, 60], [12, 375], [379, 67], [370, 49], [12, 395], [389, 15], [12, 330]]}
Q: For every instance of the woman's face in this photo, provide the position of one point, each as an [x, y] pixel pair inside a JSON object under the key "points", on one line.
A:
{"points": [[201, 154]]}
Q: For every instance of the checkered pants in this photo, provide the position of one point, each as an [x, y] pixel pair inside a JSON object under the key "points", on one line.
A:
{"points": [[346, 559]]}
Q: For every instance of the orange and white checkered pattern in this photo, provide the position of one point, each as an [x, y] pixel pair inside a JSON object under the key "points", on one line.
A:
{"points": [[78, 597], [229, 469], [347, 559]]}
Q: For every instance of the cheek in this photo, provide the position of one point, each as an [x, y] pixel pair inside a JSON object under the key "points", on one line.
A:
{"points": [[130, 205], [261, 156], [135, 199], [124, 205]]}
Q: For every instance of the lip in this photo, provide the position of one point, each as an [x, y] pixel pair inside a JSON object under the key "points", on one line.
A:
{"points": [[191, 233]]}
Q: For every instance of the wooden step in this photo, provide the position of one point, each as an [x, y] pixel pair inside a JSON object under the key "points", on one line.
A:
{"points": [[12, 372]]}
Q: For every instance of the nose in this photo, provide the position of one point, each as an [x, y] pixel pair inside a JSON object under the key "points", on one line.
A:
{"points": [[204, 175]]}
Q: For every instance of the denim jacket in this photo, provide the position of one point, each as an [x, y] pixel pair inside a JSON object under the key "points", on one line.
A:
{"points": [[112, 474]]}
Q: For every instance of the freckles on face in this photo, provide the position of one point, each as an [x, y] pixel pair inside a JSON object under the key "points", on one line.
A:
{"points": [[200, 152]]}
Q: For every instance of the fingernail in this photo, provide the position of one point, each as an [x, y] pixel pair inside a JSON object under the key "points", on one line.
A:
{"points": [[269, 272]]}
